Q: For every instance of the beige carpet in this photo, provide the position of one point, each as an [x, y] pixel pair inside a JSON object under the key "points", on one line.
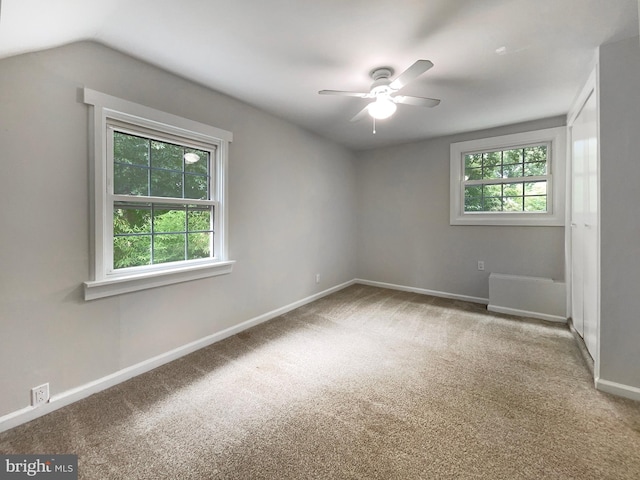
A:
{"points": [[365, 383]]}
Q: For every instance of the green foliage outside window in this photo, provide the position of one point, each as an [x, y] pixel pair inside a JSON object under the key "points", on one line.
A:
{"points": [[178, 234], [151, 233], [496, 181]]}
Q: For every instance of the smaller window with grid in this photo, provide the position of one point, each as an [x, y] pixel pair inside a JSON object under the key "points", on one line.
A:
{"points": [[509, 180], [513, 180]]}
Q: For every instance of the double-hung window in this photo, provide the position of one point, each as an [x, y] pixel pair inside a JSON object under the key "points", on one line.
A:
{"points": [[509, 180], [163, 197], [159, 186]]}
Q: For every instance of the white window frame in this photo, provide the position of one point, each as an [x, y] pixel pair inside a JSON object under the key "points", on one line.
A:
{"points": [[555, 214], [108, 111]]}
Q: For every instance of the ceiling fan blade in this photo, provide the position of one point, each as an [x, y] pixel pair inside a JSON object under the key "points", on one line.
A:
{"points": [[361, 114], [344, 94], [410, 74], [417, 101]]}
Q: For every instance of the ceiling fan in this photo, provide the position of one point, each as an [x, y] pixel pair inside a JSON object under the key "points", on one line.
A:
{"points": [[384, 91]]}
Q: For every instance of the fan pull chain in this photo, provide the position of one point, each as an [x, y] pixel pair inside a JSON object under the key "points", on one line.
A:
{"points": [[374, 126]]}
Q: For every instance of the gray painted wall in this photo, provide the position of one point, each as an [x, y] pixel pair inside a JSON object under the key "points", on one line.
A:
{"points": [[404, 236], [292, 214], [620, 215], [298, 205]]}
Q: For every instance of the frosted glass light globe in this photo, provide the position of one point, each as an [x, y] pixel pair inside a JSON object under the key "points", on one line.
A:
{"points": [[382, 108]]}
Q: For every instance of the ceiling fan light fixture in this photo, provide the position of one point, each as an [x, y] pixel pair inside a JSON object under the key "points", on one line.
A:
{"points": [[383, 92], [382, 108]]}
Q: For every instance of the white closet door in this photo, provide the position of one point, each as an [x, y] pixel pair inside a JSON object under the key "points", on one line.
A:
{"points": [[584, 223], [578, 186], [591, 271]]}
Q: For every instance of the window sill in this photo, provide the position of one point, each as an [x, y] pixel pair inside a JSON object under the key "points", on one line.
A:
{"points": [[514, 220], [118, 285]]}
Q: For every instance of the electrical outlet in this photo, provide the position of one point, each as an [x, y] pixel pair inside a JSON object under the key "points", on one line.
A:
{"points": [[39, 395], [317, 278], [480, 265]]}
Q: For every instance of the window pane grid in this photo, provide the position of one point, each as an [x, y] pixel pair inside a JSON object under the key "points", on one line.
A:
{"points": [[154, 185], [153, 234], [162, 170], [531, 197], [508, 180]]}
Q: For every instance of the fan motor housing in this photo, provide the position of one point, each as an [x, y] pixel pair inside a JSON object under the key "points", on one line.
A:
{"points": [[381, 72], [381, 80]]}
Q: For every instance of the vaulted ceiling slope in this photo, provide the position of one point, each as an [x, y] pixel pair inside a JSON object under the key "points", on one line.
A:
{"points": [[496, 62]]}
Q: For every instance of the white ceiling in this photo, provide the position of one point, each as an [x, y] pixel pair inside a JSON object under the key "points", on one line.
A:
{"points": [[496, 61]]}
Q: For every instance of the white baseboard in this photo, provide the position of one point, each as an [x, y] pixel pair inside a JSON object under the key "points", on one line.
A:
{"points": [[525, 313], [619, 389], [435, 293], [60, 400]]}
